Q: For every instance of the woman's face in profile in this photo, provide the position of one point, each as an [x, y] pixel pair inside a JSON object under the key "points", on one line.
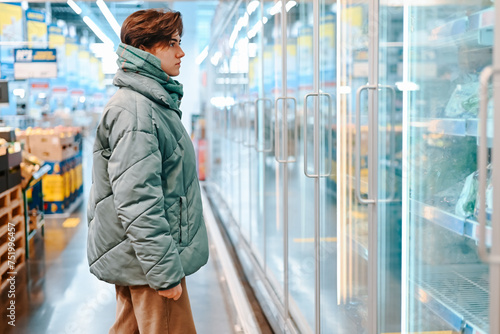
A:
{"points": [[170, 55]]}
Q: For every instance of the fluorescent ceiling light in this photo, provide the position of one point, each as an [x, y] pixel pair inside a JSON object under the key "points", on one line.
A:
{"points": [[101, 50], [19, 92], [109, 16], [215, 58], [222, 102], [242, 44], [252, 6], [253, 32], [97, 31], [232, 38], [75, 7], [290, 5], [107, 55], [345, 90], [252, 50], [407, 86], [242, 22], [275, 9], [201, 57]]}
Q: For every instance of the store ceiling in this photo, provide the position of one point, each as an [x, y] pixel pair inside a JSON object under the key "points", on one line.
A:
{"points": [[60, 10]]}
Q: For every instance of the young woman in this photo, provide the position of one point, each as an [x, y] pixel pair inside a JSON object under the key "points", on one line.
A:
{"points": [[146, 228]]}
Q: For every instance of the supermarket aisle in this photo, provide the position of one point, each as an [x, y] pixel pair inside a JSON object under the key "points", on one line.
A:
{"points": [[55, 293]]}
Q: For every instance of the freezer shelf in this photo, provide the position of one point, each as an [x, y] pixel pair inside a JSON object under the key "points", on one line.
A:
{"points": [[452, 126], [472, 30], [459, 294], [461, 226]]}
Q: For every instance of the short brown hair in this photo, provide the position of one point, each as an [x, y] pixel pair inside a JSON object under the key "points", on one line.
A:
{"points": [[150, 28]]}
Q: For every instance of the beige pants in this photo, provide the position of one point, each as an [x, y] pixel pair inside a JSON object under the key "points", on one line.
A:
{"points": [[140, 309]]}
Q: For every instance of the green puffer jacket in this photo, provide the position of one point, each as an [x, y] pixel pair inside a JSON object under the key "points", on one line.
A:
{"points": [[145, 213]]}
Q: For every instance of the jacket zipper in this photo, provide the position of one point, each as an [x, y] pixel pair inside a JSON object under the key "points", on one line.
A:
{"points": [[180, 221]]}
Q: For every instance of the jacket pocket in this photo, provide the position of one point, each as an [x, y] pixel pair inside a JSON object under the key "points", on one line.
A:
{"points": [[183, 222]]}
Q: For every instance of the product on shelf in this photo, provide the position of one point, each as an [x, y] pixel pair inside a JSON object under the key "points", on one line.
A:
{"points": [[467, 200], [12, 213], [10, 160], [60, 148], [464, 100], [8, 134], [30, 165], [468, 203], [489, 198]]}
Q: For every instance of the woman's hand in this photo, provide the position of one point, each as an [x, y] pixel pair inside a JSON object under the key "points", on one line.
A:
{"points": [[173, 293]]}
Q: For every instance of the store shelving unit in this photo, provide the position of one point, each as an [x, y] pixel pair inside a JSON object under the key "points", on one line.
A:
{"points": [[459, 225], [451, 126], [473, 30], [40, 221], [457, 293], [69, 211], [11, 217]]}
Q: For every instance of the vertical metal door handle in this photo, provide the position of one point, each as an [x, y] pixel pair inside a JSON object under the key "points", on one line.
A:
{"points": [[233, 136], [276, 128], [330, 137], [305, 136], [392, 139], [264, 149], [486, 74], [357, 153], [238, 138], [229, 123], [225, 122], [247, 127]]}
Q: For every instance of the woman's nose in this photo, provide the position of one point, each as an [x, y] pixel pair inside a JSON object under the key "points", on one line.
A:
{"points": [[181, 53]]}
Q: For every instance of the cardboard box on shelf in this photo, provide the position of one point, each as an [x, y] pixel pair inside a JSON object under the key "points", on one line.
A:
{"points": [[10, 155], [52, 144], [15, 159], [3, 180], [8, 133], [4, 162], [51, 147], [22, 137], [13, 177]]}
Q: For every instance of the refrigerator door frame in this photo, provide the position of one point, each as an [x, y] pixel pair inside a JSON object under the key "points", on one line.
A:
{"points": [[371, 202], [495, 246], [373, 64]]}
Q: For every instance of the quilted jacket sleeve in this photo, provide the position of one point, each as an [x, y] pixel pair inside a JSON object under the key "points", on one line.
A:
{"points": [[134, 172]]}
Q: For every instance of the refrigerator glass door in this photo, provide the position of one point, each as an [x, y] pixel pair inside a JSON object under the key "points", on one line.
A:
{"points": [[352, 217], [290, 136], [332, 318], [446, 284], [239, 87], [389, 150], [255, 90], [272, 179]]}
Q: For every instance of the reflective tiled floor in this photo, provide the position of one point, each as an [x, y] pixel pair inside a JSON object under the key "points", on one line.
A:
{"points": [[55, 292]]}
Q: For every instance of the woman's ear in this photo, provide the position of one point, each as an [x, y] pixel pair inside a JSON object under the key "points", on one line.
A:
{"points": [[142, 48]]}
